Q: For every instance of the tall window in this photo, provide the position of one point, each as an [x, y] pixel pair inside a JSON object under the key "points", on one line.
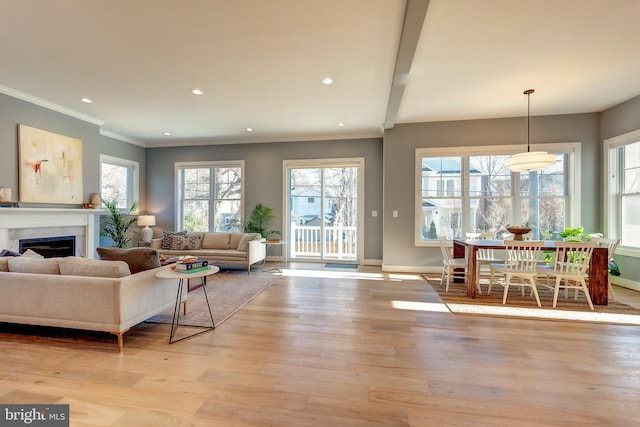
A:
{"points": [[622, 170], [118, 181], [210, 196], [476, 193]]}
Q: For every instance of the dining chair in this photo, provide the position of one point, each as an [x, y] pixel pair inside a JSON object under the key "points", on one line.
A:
{"points": [[611, 245], [454, 268], [484, 258], [570, 268], [518, 267]]}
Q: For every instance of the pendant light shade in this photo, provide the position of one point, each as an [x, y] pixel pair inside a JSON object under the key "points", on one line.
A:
{"points": [[531, 160]]}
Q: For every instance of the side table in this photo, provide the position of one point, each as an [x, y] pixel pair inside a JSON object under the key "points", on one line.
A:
{"points": [[279, 257], [175, 322]]}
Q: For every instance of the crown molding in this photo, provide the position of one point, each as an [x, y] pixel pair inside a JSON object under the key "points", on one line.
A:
{"points": [[49, 105], [122, 138]]}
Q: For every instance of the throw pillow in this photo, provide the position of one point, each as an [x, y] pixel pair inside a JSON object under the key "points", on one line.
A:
{"points": [[167, 238], [75, 266], [7, 252], [21, 264], [183, 243], [244, 241], [32, 254], [138, 259], [4, 264], [216, 240]]}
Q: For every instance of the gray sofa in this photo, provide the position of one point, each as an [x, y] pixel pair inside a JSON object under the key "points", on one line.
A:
{"points": [[220, 248], [81, 293]]}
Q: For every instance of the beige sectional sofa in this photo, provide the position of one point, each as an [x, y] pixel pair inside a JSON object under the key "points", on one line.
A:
{"points": [[220, 248], [81, 293]]}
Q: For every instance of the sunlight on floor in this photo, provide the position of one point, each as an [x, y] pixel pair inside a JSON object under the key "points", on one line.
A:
{"points": [[332, 274], [592, 316], [420, 306]]}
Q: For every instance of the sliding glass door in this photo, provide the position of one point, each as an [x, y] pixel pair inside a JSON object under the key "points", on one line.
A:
{"points": [[323, 210]]}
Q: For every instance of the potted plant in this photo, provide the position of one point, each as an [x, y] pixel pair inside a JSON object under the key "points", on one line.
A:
{"points": [[259, 221], [118, 224]]}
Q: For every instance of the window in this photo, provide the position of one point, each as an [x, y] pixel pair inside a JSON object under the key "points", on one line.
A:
{"points": [[119, 181], [475, 192], [210, 196], [622, 190]]}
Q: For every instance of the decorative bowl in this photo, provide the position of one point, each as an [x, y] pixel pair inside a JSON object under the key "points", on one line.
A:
{"points": [[518, 231]]}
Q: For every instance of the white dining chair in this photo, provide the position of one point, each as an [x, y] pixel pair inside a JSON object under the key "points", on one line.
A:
{"points": [[484, 258], [453, 268], [570, 268], [518, 267]]}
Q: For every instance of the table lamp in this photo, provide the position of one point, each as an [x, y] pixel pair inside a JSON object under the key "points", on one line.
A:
{"points": [[146, 221]]}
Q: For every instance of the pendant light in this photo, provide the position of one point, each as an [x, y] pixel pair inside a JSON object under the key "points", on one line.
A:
{"points": [[531, 160]]}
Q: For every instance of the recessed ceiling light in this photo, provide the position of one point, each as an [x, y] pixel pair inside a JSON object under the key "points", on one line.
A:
{"points": [[327, 80], [166, 133], [86, 100], [340, 124], [249, 129], [197, 92]]}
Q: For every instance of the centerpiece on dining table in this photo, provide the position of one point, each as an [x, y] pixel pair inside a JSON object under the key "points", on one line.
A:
{"points": [[518, 231]]}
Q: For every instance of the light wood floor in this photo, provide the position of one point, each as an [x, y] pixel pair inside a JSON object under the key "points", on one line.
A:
{"points": [[317, 349]]}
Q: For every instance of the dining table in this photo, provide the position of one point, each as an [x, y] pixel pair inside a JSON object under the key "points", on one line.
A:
{"points": [[598, 281]]}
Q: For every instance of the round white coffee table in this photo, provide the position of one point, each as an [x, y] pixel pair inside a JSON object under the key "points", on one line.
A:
{"points": [[182, 277]]}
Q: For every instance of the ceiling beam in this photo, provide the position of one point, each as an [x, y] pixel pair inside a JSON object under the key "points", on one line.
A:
{"points": [[414, 16]]}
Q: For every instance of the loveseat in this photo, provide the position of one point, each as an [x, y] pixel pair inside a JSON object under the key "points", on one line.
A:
{"points": [[219, 248], [82, 293]]}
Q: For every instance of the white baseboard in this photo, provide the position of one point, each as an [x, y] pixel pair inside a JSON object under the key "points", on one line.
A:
{"points": [[377, 262]]}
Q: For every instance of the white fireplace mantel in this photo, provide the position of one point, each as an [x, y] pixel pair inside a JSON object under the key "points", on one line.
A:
{"points": [[48, 222]]}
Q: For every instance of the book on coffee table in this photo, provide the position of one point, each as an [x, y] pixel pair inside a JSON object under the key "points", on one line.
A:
{"points": [[188, 266], [193, 270]]}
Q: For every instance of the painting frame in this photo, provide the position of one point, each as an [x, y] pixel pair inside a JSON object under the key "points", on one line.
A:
{"points": [[50, 167]]}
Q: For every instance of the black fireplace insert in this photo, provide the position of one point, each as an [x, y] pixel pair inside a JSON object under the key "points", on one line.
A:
{"points": [[50, 247]]}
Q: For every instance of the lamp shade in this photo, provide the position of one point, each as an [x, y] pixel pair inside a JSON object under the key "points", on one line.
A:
{"points": [[146, 220], [530, 161]]}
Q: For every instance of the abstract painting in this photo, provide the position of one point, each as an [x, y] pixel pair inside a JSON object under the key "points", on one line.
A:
{"points": [[50, 167]]}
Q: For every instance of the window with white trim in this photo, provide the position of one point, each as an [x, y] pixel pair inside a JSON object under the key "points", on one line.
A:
{"points": [[210, 196], [476, 193], [622, 189], [119, 181]]}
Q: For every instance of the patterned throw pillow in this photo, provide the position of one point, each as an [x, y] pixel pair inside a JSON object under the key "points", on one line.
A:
{"points": [[167, 238], [185, 243]]}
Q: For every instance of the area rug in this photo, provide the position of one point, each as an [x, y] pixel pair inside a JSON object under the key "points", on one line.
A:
{"points": [[228, 292], [567, 309]]}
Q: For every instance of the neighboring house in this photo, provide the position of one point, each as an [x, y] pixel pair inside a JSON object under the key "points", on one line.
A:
{"points": [[442, 187]]}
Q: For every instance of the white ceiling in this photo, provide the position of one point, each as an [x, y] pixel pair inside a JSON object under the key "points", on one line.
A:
{"points": [[260, 63]]}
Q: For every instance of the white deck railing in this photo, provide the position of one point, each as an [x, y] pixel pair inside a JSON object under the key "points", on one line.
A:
{"points": [[339, 242]]}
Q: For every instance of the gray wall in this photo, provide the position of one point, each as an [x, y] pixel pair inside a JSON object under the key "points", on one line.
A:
{"points": [[400, 143], [14, 112], [616, 121], [264, 175]]}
